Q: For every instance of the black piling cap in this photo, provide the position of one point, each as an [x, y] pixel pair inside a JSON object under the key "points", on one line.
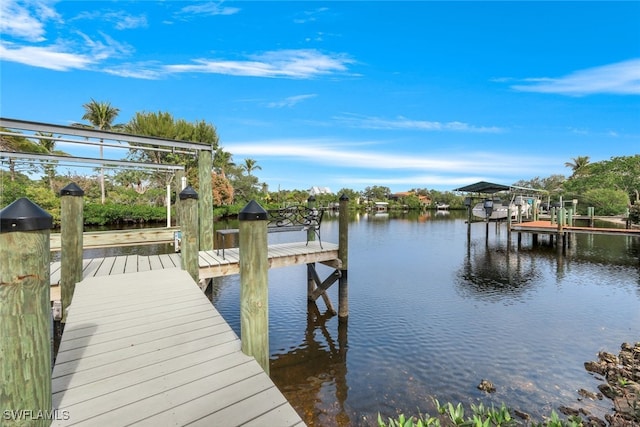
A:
{"points": [[188, 193], [24, 215], [72, 189], [252, 212], [344, 197]]}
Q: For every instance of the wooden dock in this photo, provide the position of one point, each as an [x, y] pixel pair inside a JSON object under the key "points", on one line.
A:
{"points": [[546, 227], [211, 263], [148, 348]]}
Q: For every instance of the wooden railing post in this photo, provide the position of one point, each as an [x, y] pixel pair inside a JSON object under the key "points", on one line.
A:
{"points": [[25, 312], [343, 255], [71, 226], [189, 245], [205, 202], [254, 283]]}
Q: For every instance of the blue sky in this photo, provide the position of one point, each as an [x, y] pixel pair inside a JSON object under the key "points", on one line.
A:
{"points": [[345, 94]]}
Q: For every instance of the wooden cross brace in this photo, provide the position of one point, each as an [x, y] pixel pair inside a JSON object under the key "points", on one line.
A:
{"points": [[322, 286]]}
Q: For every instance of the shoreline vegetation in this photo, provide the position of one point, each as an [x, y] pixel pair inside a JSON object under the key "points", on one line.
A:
{"points": [[620, 376]]}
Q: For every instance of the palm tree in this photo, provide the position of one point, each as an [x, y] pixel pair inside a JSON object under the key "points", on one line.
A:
{"points": [[101, 115], [221, 160], [578, 164], [250, 165]]}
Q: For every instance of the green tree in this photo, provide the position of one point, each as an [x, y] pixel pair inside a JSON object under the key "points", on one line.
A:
{"points": [[101, 116], [250, 165], [618, 173], [578, 164], [19, 144], [607, 201], [222, 160], [163, 125], [376, 193]]}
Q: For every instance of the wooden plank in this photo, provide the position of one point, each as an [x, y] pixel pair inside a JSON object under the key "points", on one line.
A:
{"points": [[105, 267], [118, 238], [119, 265], [150, 349], [132, 264], [55, 273], [143, 263], [155, 263], [92, 267]]}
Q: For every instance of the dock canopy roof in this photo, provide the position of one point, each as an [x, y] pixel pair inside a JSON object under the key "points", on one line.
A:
{"points": [[483, 187]]}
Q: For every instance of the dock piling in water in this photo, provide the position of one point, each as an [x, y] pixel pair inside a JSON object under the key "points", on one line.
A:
{"points": [[254, 286], [343, 254]]}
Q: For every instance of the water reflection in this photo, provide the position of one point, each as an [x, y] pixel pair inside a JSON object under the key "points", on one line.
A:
{"points": [[495, 273], [313, 375]]}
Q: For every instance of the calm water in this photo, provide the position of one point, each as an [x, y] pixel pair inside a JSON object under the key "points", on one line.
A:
{"points": [[432, 314]]}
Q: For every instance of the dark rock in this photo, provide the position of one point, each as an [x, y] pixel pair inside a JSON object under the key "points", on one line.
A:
{"points": [[486, 385], [587, 394], [608, 357], [607, 391], [595, 367], [570, 412], [522, 415], [595, 421]]}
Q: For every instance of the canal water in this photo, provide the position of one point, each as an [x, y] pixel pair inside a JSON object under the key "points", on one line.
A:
{"points": [[433, 313]]}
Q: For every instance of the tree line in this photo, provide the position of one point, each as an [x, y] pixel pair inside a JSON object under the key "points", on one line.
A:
{"points": [[612, 186]]}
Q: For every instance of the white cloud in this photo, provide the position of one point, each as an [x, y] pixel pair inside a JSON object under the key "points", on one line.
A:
{"points": [[290, 101], [621, 78], [121, 19], [20, 21], [209, 9], [289, 63], [402, 123], [50, 57], [341, 154]]}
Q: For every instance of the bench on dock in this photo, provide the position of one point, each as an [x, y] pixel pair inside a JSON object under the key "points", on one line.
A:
{"points": [[291, 218]]}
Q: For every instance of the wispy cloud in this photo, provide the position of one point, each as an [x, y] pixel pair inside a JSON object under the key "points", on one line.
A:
{"points": [[290, 101], [208, 8], [51, 57], [344, 154], [310, 15], [25, 20], [288, 63], [121, 20], [403, 123], [621, 78]]}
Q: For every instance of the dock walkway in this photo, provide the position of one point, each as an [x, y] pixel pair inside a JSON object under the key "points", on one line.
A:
{"points": [[546, 227], [148, 348], [211, 263]]}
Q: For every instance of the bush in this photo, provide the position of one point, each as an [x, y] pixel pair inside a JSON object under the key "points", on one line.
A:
{"points": [[606, 202]]}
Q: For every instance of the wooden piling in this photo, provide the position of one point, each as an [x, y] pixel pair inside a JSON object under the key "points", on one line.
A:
{"points": [[189, 245], [71, 226], [205, 201], [343, 254], [254, 271], [25, 313], [177, 188], [311, 235]]}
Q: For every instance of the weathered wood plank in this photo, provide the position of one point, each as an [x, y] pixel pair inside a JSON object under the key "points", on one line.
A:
{"points": [[118, 238]]}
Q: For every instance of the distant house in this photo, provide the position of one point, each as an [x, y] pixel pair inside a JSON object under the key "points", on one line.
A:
{"points": [[380, 206], [314, 191]]}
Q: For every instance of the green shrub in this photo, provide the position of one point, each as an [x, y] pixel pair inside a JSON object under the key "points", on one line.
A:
{"points": [[606, 201]]}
